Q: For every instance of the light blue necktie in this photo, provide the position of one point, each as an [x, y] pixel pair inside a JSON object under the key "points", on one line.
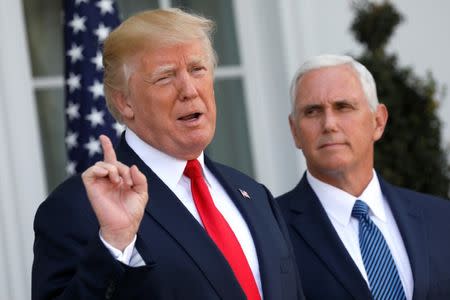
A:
{"points": [[383, 276]]}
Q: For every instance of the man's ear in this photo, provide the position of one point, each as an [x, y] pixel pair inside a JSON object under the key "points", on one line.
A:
{"points": [[381, 117], [123, 105], [295, 134]]}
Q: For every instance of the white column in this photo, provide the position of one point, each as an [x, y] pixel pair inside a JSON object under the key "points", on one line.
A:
{"points": [[22, 184], [266, 56]]}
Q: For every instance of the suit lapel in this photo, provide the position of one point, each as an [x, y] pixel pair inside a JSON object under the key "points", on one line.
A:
{"points": [[242, 196], [310, 220], [410, 222], [171, 214]]}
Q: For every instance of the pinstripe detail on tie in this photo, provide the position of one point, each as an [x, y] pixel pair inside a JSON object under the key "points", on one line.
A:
{"points": [[381, 271]]}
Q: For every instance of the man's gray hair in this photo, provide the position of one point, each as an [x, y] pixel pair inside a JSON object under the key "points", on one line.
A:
{"points": [[329, 60]]}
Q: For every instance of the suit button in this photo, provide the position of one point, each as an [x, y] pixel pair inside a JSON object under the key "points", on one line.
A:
{"points": [[110, 290]]}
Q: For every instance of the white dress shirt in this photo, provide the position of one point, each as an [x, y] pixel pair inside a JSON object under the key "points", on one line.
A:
{"points": [[170, 171], [338, 205]]}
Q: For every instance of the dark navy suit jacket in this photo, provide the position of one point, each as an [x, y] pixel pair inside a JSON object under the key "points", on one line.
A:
{"points": [[328, 272], [182, 262]]}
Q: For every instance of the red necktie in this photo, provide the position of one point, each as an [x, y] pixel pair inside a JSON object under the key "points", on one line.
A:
{"points": [[219, 230]]}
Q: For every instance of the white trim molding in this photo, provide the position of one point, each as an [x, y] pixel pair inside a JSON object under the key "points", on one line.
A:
{"points": [[22, 183]]}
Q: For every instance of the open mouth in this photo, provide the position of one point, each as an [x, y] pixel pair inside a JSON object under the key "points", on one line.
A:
{"points": [[190, 117]]}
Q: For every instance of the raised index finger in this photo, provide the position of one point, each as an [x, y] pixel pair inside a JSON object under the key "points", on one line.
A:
{"points": [[109, 155]]}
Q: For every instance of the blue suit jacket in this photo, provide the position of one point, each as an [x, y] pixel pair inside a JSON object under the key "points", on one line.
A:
{"points": [[182, 262], [328, 272]]}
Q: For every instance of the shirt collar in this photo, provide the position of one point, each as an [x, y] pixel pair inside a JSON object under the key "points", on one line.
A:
{"points": [[338, 204], [169, 169]]}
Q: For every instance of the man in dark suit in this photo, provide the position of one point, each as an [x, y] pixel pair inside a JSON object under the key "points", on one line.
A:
{"points": [[356, 236], [207, 232]]}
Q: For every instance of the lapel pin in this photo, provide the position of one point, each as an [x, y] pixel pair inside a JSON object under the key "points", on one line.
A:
{"points": [[244, 194]]}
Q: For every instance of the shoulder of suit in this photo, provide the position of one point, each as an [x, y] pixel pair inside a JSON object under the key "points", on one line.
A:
{"points": [[242, 182], [232, 172], [427, 201], [283, 198], [73, 184], [295, 193], [70, 195]]}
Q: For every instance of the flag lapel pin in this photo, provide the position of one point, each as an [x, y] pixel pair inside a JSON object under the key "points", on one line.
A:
{"points": [[244, 194]]}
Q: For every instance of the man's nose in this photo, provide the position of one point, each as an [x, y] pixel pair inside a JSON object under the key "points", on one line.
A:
{"points": [[329, 121], [186, 86]]}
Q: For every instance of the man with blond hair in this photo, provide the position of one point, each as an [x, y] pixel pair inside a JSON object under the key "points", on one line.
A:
{"points": [[157, 219], [355, 235]]}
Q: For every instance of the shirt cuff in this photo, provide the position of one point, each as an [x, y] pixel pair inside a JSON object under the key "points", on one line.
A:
{"points": [[123, 257]]}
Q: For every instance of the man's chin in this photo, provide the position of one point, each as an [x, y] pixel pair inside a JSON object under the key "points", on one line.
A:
{"points": [[193, 147], [332, 165]]}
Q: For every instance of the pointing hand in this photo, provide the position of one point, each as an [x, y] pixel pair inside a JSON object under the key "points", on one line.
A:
{"points": [[118, 195]]}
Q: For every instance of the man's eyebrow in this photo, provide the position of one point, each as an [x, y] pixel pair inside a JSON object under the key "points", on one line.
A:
{"points": [[160, 70], [163, 69], [309, 106], [352, 102]]}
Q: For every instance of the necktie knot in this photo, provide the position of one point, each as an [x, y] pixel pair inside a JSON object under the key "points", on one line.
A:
{"points": [[360, 210], [193, 169]]}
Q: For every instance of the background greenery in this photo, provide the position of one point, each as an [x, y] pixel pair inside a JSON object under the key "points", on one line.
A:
{"points": [[410, 154]]}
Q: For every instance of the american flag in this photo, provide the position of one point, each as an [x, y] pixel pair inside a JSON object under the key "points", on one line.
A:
{"points": [[87, 23]]}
